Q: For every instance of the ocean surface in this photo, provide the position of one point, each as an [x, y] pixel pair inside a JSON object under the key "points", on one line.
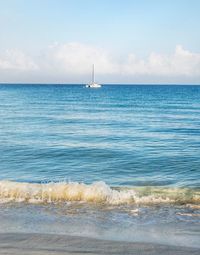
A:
{"points": [[121, 162]]}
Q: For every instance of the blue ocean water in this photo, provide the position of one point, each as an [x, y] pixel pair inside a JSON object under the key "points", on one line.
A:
{"points": [[140, 135], [121, 162]]}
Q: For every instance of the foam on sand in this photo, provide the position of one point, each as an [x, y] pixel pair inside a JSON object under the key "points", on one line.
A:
{"points": [[43, 244]]}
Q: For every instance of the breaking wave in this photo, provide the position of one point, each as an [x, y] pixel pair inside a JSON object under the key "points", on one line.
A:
{"points": [[97, 192]]}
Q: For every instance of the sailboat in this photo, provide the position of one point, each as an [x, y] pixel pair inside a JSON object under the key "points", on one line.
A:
{"points": [[93, 84]]}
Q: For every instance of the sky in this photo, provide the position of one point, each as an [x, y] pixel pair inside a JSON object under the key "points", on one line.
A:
{"points": [[129, 41]]}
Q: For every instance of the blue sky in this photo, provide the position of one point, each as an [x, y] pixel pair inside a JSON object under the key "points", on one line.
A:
{"points": [[117, 29]]}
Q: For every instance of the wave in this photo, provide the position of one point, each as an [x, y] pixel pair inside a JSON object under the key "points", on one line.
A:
{"points": [[97, 192]]}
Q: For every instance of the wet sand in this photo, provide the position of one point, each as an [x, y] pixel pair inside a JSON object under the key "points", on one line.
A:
{"points": [[43, 244]]}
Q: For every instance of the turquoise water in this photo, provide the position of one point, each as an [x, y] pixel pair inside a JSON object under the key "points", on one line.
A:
{"points": [[120, 162], [123, 135]]}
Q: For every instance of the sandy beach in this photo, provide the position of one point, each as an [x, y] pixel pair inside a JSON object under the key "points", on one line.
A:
{"points": [[17, 243]]}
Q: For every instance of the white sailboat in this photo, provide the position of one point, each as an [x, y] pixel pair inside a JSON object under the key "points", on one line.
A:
{"points": [[93, 84]]}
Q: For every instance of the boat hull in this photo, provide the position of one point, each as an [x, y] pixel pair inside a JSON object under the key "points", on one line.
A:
{"points": [[93, 85]]}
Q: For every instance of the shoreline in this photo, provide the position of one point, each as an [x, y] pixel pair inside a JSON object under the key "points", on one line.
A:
{"points": [[43, 244]]}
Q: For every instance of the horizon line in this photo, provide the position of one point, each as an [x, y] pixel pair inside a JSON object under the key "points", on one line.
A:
{"points": [[104, 84]]}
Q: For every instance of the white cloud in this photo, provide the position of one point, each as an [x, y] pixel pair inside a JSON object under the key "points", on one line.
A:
{"points": [[14, 59], [181, 63], [71, 62], [76, 58]]}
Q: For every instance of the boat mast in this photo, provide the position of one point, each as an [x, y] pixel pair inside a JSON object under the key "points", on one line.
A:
{"points": [[93, 73]]}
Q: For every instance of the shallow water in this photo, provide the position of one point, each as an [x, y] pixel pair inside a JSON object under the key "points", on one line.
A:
{"points": [[170, 225]]}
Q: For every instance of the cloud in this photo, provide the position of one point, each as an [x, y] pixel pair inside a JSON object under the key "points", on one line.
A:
{"points": [[181, 63], [14, 59], [76, 58], [71, 62]]}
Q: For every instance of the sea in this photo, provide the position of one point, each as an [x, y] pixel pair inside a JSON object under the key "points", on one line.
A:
{"points": [[121, 162]]}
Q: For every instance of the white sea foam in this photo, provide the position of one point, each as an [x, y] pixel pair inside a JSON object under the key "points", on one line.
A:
{"points": [[98, 192]]}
